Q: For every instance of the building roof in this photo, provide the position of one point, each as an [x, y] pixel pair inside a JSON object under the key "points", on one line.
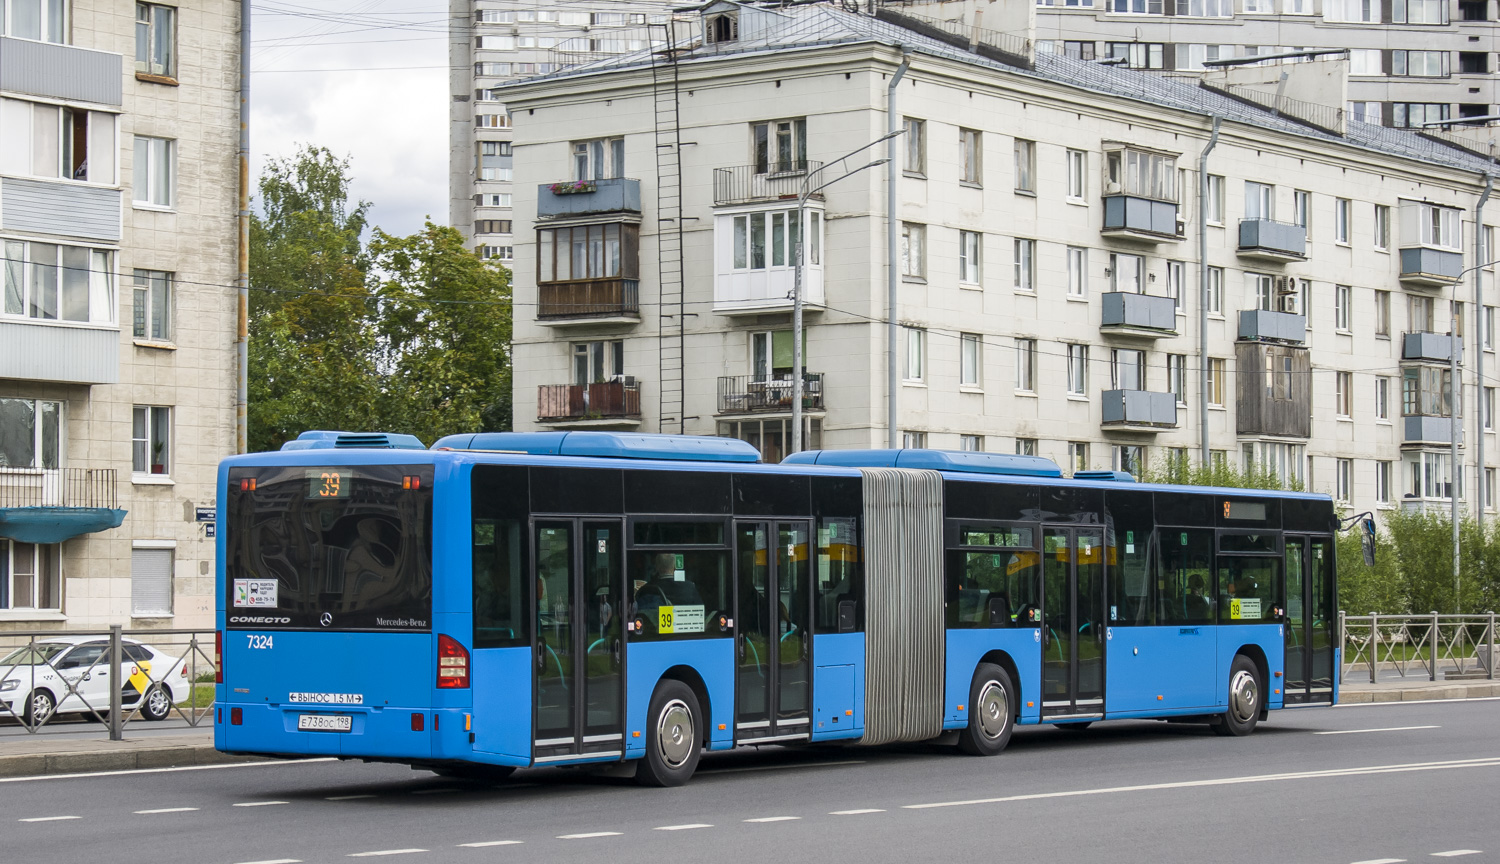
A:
{"points": [[812, 25]]}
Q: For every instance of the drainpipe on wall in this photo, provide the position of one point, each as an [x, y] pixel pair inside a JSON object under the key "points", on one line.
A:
{"points": [[1481, 257], [892, 252], [1213, 141], [242, 330]]}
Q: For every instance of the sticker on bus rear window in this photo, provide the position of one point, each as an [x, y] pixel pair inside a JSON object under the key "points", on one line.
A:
{"points": [[1244, 607], [255, 593], [679, 619]]}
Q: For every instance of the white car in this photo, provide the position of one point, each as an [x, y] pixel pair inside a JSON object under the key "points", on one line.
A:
{"points": [[70, 674]]}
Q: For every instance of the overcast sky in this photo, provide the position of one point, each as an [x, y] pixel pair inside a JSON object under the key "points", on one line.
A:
{"points": [[368, 80]]}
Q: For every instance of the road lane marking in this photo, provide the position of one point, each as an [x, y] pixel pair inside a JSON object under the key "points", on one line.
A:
{"points": [[780, 767], [588, 835], [129, 771], [854, 812], [490, 843], [259, 803], [775, 819], [347, 797], [49, 818], [1454, 853], [684, 827], [1488, 762], [276, 861], [1382, 861], [166, 810], [1386, 729], [383, 852]]}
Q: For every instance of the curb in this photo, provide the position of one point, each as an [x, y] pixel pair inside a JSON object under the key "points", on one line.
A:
{"points": [[37, 764], [1350, 696]]}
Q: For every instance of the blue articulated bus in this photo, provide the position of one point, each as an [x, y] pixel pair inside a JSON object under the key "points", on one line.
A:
{"points": [[508, 600]]}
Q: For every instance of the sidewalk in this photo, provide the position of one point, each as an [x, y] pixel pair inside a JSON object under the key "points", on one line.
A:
{"points": [[42, 754], [1357, 689]]}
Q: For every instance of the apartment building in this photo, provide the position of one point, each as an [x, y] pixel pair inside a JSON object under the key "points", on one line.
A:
{"points": [[493, 42], [118, 203]]}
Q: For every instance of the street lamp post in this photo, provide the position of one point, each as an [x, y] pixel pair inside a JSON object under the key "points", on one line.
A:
{"points": [[800, 254], [1455, 471]]}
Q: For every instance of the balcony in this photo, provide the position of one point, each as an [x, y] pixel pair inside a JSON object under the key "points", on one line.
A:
{"points": [[1428, 429], [1260, 325], [60, 207], [1128, 314], [1431, 268], [1269, 240], [585, 198], [50, 505], [1430, 347], [748, 394], [754, 184], [1272, 389], [1132, 217], [593, 301], [1139, 410], [61, 71], [614, 403], [58, 351]]}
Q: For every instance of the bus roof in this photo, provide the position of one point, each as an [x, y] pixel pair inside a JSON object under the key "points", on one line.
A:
{"points": [[608, 445], [964, 461]]}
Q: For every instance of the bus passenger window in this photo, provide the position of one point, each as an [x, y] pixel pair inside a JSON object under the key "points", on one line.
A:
{"points": [[840, 579], [1185, 579], [499, 584], [991, 588], [679, 594], [1248, 589]]}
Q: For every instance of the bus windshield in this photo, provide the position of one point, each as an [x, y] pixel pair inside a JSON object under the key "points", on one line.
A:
{"points": [[329, 548]]}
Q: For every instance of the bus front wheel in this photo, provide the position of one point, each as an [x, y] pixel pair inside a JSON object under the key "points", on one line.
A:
{"points": [[1245, 696], [673, 743], [991, 715]]}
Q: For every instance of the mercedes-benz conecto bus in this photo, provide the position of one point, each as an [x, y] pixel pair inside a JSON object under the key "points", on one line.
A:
{"points": [[525, 599]]}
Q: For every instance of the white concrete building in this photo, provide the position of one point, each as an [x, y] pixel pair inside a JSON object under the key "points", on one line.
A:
{"points": [[1048, 261], [119, 188]]}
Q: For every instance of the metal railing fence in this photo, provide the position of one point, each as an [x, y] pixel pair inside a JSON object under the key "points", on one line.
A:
{"points": [[53, 682], [58, 487], [1403, 646]]}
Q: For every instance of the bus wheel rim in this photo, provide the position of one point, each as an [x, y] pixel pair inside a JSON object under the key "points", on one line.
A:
{"points": [[674, 733], [1244, 696], [994, 710]]}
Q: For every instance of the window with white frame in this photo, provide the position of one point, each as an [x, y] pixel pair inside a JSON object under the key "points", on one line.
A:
{"points": [[602, 360], [1431, 225], [1284, 462], [1343, 394], [151, 305], [50, 282], [30, 575], [1431, 476], [150, 440], [1352, 11], [492, 199], [1026, 446], [914, 440], [31, 433], [1025, 265], [1421, 313], [1026, 365], [495, 253], [1078, 456], [56, 141], [1215, 203], [971, 443], [1216, 290], [491, 163], [1382, 482], [1127, 273], [1134, 7], [1413, 115], [1078, 271], [155, 170], [969, 359], [971, 152], [1197, 54], [1078, 370], [1141, 174], [1025, 165], [1260, 200], [916, 354], [969, 243], [1301, 207], [599, 159], [492, 121], [1382, 397], [1419, 11], [1487, 328], [1177, 377], [1489, 488], [1343, 314], [1260, 291], [1127, 369], [1343, 479], [1382, 226], [1216, 373], [779, 146], [155, 39], [151, 581], [37, 20], [1364, 61], [766, 239], [1077, 162], [1419, 64], [1177, 284], [1341, 211], [915, 146], [1130, 458], [1216, 8], [1488, 409], [913, 249], [1367, 112]]}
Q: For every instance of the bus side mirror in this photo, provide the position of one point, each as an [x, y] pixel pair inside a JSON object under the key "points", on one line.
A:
{"points": [[1368, 541]]}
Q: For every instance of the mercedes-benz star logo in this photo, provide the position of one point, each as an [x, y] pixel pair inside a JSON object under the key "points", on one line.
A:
{"points": [[326, 619]]}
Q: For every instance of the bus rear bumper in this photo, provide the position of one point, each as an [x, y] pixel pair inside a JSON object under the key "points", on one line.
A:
{"points": [[386, 732]]}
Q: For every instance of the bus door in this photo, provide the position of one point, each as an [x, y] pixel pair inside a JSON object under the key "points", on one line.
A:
{"points": [[1309, 619], [773, 614], [1073, 622], [579, 653]]}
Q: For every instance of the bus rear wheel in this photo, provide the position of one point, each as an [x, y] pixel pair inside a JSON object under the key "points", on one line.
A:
{"points": [[990, 713], [673, 743], [1245, 695]]}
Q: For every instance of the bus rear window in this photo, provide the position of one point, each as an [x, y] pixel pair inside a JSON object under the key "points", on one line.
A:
{"points": [[329, 548]]}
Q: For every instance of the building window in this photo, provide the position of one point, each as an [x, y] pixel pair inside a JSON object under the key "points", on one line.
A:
{"points": [[492, 155], [1261, 291], [1285, 463], [1140, 174], [1139, 55], [150, 440], [1026, 446], [155, 39], [1382, 397], [1367, 112], [1260, 200], [1430, 225], [1177, 284], [1216, 290], [1301, 207], [1025, 165], [1215, 202], [1343, 394], [771, 437], [968, 359], [57, 142], [1420, 312], [1489, 488], [780, 145], [496, 253], [49, 282], [1220, 8], [914, 440], [1352, 11], [1341, 208], [152, 305], [492, 121], [1343, 479], [1077, 175], [765, 239], [1382, 226], [1130, 458], [1431, 477], [1216, 381], [1424, 392], [1343, 298], [1415, 114], [1127, 369], [1078, 456], [1026, 365], [1177, 377], [599, 159], [154, 170], [1025, 265], [492, 226], [1078, 272], [1419, 64], [970, 149], [1487, 328], [1382, 312], [1382, 482], [913, 249], [30, 575], [916, 354], [1489, 409], [1419, 11], [1126, 273], [492, 199], [1079, 50], [596, 362], [968, 256], [150, 582], [916, 146], [580, 252], [971, 443], [1078, 370], [31, 432]]}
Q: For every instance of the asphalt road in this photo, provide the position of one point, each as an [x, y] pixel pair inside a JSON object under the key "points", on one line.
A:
{"points": [[1383, 783]]}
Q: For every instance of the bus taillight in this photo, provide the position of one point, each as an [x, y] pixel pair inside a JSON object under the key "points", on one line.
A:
{"points": [[453, 663], [219, 655]]}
